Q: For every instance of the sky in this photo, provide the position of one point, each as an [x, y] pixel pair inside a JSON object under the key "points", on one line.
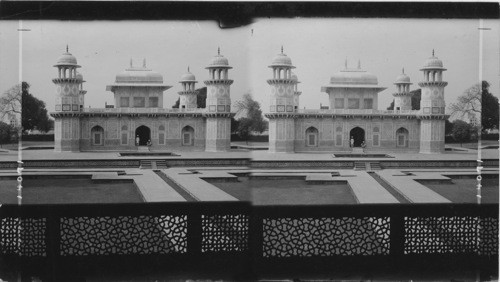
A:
{"points": [[318, 48]]}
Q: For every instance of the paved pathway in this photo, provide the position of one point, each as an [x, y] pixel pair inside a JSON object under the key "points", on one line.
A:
{"points": [[256, 155], [152, 187], [366, 189], [197, 187], [411, 189]]}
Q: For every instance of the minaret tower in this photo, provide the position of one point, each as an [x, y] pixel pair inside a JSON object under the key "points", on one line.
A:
{"points": [[402, 98], [432, 107], [81, 96], [188, 93], [218, 130], [282, 105], [67, 124], [296, 93]]}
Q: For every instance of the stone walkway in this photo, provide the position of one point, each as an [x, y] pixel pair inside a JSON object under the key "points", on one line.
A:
{"points": [[192, 179], [197, 187], [256, 155], [366, 189], [411, 189], [153, 188], [405, 181]]}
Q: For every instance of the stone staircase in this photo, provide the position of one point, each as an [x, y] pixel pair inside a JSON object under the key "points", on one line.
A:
{"points": [[143, 149], [368, 166], [146, 164], [161, 164], [357, 150], [375, 166], [153, 164], [359, 166]]}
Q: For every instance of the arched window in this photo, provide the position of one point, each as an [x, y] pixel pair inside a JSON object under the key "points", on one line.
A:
{"points": [[97, 135], [161, 135], [187, 136], [376, 136], [311, 137], [338, 136], [402, 137], [124, 135]]}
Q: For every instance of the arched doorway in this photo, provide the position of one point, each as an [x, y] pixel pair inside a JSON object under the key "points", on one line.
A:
{"points": [[402, 137], [144, 134], [97, 134], [358, 134], [187, 136], [311, 137]]}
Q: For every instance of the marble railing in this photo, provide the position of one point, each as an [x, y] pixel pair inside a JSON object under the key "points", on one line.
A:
{"points": [[142, 110], [356, 111]]}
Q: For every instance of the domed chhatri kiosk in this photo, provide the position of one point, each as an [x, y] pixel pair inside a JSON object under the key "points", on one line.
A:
{"points": [[138, 118], [353, 119]]}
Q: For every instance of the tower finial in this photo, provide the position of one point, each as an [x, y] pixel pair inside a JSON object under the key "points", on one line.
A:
{"points": [[403, 70], [359, 64], [218, 50], [433, 52], [67, 49], [144, 63], [281, 49], [188, 68], [131, 62], [345, 63]]}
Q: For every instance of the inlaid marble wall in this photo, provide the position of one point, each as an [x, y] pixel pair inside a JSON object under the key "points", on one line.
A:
{"points": [[282, 98], [432, 136], [281, 135], [218, 134], [120, 133], [432, 101], [218, 98], [334, 133], [67, 134]]}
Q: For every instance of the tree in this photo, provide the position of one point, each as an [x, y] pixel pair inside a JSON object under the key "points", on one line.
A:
{"points": [[490, 108], [201, 99], [244, 128], [5, 130], [250, 109], [477, 100], [415, 100], [34, 114], [234, 125], [461, 131], [46, 125], [17, 101], [448, 127], [10, 102]]}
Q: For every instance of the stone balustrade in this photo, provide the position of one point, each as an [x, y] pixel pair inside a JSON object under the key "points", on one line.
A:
{"points": [[142, 110], [357, 111]]}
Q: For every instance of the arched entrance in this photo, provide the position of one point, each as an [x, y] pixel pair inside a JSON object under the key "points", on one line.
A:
{"points": [[187, 136], [358, 134], [144, 134], [402, 137], [311, 137], [97, 134]]}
